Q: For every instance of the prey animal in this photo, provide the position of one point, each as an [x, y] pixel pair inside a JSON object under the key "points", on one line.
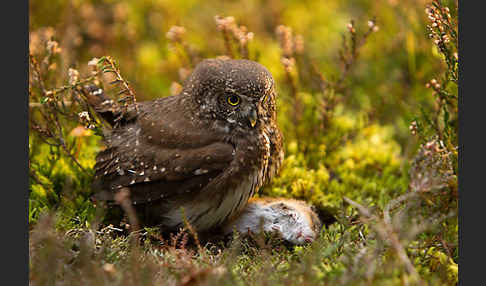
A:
{"points": [[294, 221]]}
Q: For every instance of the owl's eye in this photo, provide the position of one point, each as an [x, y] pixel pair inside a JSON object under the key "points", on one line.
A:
{"points": [[233, 100]]}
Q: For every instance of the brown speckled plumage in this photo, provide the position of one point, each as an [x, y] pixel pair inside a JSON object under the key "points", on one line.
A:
{"points": [[195, 150]]}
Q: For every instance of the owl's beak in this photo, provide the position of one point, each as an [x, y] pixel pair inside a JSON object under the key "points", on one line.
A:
{"points": [[252, 117]]}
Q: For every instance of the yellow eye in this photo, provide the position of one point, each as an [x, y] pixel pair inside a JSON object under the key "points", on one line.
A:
{"points": [[233, 100]]}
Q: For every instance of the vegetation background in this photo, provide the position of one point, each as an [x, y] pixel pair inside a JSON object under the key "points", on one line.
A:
{"points": [[367, 105]]}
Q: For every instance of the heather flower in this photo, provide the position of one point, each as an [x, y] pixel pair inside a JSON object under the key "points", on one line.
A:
{"points": [[175, 33], [93, 62], [73, 76]]}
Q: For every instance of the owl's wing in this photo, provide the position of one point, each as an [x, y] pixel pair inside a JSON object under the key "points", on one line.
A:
{"points": [[181, 160], [153, 177]]}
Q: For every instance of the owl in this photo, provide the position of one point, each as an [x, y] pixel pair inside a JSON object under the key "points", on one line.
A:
{"points": [[195, 157]]}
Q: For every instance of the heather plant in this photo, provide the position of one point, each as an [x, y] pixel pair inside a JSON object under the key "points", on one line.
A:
{"points": [[368, 109]]}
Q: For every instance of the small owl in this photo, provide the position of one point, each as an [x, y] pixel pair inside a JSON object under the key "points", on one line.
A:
{"points": [[198, 155]]}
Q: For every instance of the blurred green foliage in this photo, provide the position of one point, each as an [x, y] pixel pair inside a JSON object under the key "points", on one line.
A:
{"points": [[388, 81], [353, 142]]}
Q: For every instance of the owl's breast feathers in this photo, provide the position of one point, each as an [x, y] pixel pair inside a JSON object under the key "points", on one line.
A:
{"points": [[169, 159]]}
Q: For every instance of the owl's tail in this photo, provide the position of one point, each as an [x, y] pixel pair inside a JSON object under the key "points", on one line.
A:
{"points": [[105, 107]]}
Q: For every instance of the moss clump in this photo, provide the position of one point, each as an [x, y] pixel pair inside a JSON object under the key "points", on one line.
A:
{"points": [[57, 184], [353, 158]]}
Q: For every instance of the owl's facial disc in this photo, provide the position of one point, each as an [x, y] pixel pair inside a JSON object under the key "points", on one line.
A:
{"points": [[241, 109], [235, 91]]}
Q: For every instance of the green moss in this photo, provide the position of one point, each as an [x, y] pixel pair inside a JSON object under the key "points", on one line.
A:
{"points": [[60, 184], [366, 165]]}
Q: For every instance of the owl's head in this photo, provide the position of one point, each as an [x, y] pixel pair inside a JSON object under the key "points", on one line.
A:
{"points": [[240, 92]]}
